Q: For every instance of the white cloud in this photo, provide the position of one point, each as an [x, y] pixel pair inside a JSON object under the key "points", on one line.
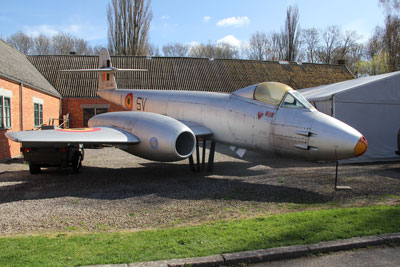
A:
{"points": [[233, 21], [86, 32], [51, 30], [48, 30], [165, 17], [193, 43], [230, 39], [72, 29], [206, 18]]}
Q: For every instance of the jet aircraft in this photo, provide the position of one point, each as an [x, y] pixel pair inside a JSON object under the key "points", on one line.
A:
{"points": [[166, 126]]}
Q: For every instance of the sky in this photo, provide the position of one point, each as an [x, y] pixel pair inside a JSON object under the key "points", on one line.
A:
{"points": [[189, 21]]}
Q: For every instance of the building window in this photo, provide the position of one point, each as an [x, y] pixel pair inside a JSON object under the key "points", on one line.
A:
{"points": [[5, 112], [90, 112], [38, 114]]}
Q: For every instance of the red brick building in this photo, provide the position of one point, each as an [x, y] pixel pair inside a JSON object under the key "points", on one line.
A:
{"points": [[175, 73], [27, 99]]}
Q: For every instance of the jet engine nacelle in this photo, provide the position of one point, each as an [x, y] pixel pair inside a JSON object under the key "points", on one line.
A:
{"points": [[161, 138]]}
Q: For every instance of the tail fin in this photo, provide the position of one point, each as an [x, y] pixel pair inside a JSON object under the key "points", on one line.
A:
{"points": [[106, 79]]}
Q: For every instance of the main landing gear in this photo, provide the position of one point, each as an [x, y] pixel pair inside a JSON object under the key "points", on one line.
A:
{"points": [[200, 166]]}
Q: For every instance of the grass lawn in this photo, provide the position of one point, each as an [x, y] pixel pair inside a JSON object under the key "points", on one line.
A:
{"points": [[208, 239]]}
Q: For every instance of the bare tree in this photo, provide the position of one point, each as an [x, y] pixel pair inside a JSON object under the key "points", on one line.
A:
{"points": [[391, 40], [258, 46], [210, 50], [96, 49], [63, 44], [226, 51], [374, 44], [331, 40], [152, 50], [175, 50], [390, 5], [21, 41], [291, 33], [311, 41], [202, 50], [128, 26], [346, 44], [276, 48], [81, 46], [282, 45], [355, 54], [42, 45]]}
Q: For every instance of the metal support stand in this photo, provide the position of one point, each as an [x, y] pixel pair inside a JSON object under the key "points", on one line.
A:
{"points": [[203, 160], [191, 163], [197, 154], [211, 157], [338, 187], [198, 167], [336, 173]]}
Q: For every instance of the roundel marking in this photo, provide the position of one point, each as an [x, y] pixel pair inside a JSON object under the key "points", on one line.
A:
{"points": [[153, 143], [129, 101], [79, 130]]}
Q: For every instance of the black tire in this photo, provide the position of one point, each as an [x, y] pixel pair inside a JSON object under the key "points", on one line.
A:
{"points": [[34, 169], [77, 162]]}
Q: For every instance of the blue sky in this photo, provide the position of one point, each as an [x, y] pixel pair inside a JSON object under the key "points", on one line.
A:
{"points": [[188, 21]]}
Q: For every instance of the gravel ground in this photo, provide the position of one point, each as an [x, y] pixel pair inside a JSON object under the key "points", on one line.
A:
{"points": [[117, 191]]}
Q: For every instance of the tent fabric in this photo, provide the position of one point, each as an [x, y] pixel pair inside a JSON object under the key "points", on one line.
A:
{"points": [[369, 104]]}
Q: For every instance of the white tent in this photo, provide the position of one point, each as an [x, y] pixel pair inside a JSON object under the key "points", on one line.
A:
{"points": [[369, 104]]}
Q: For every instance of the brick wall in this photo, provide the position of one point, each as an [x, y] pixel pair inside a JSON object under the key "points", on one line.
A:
{"points": [[51, 108], [75, 109]]}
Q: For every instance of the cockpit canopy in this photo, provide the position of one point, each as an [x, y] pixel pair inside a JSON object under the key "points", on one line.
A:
{"points": [[271, 92], [274, 93]]}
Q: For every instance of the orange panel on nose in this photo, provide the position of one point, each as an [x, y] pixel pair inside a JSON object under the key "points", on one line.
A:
{"points": [[361, 146]]}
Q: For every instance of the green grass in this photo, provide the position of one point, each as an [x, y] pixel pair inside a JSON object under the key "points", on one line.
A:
{"points": [[220, 237]]}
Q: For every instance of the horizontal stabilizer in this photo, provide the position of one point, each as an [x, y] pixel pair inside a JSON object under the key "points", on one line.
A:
{"points": [[98, 135], [109, 69]]}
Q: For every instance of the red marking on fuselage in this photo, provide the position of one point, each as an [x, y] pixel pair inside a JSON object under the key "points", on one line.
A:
{"points": [[260, 114], [129, 101], [269, 114]]}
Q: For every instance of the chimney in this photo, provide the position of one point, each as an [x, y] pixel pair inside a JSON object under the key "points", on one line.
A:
{"points": [[341, 62]]}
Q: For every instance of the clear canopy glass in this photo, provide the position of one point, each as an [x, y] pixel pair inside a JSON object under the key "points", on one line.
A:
{"points": [[294, 99], [271, 92]]}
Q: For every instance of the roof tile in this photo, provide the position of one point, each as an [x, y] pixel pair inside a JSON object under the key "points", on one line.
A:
{"points": [[180, 73], [15, 66]]}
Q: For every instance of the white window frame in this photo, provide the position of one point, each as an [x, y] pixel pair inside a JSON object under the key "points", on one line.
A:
{"points": [[40, 103], [5, 94]]}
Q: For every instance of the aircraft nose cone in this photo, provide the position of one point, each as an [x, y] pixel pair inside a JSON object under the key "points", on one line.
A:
{"points": [[361, 146], [334, 139]]}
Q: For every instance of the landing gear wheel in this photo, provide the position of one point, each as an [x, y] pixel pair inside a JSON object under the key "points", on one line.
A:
{"points": [[77, 162], [34, 169]]}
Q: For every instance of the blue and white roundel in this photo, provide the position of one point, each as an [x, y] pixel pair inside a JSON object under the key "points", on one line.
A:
{"points": [[153, 143]]}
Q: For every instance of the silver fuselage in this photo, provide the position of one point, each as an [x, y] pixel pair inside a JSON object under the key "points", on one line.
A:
{"points": [[246, 123]]}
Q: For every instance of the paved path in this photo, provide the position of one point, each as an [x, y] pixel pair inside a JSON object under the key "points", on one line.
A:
{"points": [[373, 257]]}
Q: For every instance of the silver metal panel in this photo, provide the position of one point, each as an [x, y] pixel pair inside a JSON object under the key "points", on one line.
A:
{"points": [[98, 135], [159, 135], [198, 130]]}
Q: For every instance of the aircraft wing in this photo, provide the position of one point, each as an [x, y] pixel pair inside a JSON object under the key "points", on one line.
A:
{"points": [[198, 130], [97, 135]]}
